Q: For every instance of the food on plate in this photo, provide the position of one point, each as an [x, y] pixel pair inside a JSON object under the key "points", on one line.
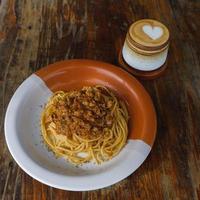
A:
{"points": [[86, 125]]}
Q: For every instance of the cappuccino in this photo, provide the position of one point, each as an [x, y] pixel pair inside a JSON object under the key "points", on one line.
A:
{"points": [[146, 45]]}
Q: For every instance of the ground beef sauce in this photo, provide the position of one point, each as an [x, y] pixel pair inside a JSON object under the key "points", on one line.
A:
{"points": [[86, 112]]}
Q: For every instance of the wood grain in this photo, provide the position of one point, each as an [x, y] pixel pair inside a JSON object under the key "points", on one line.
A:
{"points": [[35, 33]]}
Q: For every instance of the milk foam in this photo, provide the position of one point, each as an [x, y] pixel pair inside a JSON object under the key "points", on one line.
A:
{"points": [[153, 32]]}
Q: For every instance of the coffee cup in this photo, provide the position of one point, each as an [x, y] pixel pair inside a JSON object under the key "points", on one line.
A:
{"points": [[146, 45]]}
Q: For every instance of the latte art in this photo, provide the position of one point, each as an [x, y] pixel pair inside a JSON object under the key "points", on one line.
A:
{"points": [[153, 32], [148, 34]]}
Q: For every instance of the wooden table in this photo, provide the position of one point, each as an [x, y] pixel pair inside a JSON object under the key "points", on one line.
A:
{"points": [[37, 32]]}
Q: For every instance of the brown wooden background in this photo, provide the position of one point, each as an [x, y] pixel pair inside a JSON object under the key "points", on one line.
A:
{"points": [[34, 33]]}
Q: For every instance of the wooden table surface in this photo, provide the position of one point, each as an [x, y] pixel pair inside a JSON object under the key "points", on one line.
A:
{"points": [[35, 33]]}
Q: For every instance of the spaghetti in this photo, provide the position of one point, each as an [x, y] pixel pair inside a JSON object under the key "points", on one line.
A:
{"points": [[85, 125]]}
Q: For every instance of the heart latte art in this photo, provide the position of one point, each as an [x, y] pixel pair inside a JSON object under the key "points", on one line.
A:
{"points": [[153, 32]]}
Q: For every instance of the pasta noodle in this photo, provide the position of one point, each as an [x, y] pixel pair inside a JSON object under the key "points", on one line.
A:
{"points": [[85, 125]]}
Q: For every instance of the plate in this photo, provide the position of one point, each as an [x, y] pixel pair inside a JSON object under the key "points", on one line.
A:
{"points": [[22, 125]]}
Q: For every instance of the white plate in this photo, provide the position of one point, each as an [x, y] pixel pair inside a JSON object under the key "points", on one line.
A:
{"points": [[23, 137]]}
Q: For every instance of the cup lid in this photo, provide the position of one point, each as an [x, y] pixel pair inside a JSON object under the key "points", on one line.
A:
{"points": [[148, 34]]}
